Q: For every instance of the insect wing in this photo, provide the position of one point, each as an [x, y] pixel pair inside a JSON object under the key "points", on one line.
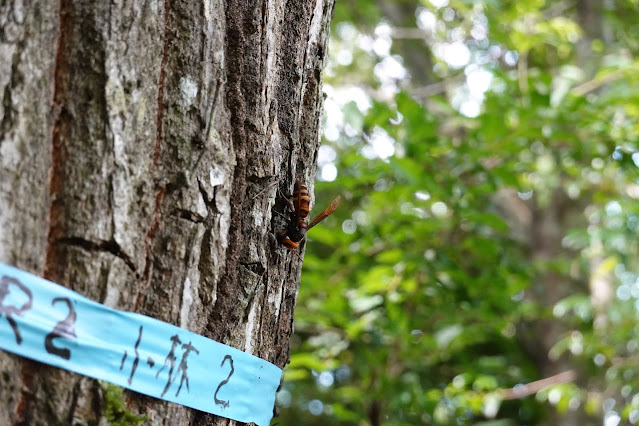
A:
{"points": [[327, 211]]}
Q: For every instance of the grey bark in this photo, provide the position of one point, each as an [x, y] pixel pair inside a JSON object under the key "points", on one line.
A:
{"points": [[141, 148]]}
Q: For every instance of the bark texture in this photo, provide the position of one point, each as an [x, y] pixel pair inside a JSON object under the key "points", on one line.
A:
{"points": [[141, 148]]}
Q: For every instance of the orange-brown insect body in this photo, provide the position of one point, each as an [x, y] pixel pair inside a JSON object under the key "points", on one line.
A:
{"points": [[288, 243], [301, 200], [300, 208]]}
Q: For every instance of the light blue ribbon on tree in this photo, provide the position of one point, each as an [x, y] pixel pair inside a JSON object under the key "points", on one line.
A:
{"points": [[49, 323]]}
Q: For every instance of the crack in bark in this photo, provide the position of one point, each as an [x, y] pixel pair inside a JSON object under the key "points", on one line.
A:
{"points": [[236, 102], [209, 202], [7, 102], [161, 189], [109, 246], [264, 33], [27, 376], [256, 267], [262, 180], [6, 118], [188, 215], [303, 70], [23, 413], [57, 158], [73, 406], [211, 111], [146, 275], [262, 350], [160, 112]]}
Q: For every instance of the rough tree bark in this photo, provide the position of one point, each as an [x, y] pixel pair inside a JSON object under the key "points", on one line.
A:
{"points": [[141, 148]]}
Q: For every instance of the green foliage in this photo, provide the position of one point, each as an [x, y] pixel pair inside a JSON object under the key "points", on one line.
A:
{"points": [[115, 411], [428, 302]]}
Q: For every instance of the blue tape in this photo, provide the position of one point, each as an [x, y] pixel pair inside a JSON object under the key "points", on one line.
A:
{"points": [[54, 325]]}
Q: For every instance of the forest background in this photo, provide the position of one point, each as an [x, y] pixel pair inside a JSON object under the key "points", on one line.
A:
{"points": [[486, 246]]}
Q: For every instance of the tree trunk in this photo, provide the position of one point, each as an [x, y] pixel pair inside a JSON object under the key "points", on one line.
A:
{"points": [[142, 145]]}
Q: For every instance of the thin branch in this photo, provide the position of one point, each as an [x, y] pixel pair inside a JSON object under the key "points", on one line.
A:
{"points": [[437, 88], [521, 391], [409, 33], [597, 82], [522, 73]]}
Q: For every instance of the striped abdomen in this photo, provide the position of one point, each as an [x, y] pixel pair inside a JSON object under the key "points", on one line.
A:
{"points": [[301, 200]]}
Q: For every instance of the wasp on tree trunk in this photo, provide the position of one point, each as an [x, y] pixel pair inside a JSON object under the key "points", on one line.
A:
{"points": [[300, 208]]}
